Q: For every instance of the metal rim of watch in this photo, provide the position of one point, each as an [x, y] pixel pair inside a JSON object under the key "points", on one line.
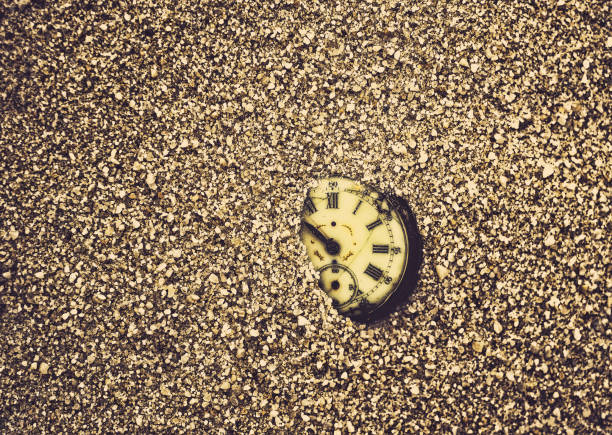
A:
{"points": [[413, 264]]}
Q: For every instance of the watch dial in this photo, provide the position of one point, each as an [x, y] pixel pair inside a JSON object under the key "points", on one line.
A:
{"points": [[357, 241]]}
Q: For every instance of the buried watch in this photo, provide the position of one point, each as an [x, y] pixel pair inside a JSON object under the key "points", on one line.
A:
{"points": [[364, 244]]}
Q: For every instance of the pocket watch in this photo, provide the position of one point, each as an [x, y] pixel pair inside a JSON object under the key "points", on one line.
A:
{"points": [[365, 245]]}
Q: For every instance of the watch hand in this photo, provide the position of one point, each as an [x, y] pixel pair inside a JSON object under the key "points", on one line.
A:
{"points": [[331, 246], [315, 232]]}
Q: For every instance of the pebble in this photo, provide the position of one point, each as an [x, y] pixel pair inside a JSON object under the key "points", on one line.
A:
{"points": [[423, 157], [547, 170], [213, 279], [477, 346], [497, 327], [43, 368], [399, 149], [150, 180], [99, 297], [192, 298], [318, 129], [302, 321], [441, 271]]}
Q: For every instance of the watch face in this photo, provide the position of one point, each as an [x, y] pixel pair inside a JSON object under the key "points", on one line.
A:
{"points": [[357, 238]]}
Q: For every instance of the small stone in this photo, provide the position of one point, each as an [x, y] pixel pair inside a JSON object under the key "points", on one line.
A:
{"points": [[412, 142], [118, 96], [350, 427], [99, 297], [165, 391], [39, 275], [13, 234], [150, 180], [497, 327], [176, 253], [423, 157], [499, 138], [154, 73], [254, 333], [414, 390], [302, 321], [547, 170], [214, 279], [6, 275], [248, 107], [318, 129], [225, 385], [477, 346], [139, 420], [192, 298], [441, 271], [577, 335], [510, 97], [464, 63], [400, 149], [43, 368], [549, 240]]}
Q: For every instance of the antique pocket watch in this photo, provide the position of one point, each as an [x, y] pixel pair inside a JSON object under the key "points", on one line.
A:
{"points": [[365, 245]]}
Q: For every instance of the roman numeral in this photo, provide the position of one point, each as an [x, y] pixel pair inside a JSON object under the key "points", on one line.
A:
{"points": [[357, 206], [380, 249], [374, 272], [374, 224], [332, 199], [309, 205]]}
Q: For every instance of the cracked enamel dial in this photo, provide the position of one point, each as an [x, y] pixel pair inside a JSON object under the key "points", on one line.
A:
{"points": [[357, 239]]}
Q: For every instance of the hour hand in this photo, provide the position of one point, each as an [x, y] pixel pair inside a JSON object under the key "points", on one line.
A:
{"points": [[331, 246]]}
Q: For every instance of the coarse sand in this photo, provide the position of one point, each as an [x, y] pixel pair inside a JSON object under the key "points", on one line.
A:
{"points": [[154, 157]]}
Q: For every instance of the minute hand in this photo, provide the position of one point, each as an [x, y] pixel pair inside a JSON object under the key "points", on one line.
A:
{"points": [[315, 232], [331, 246]]}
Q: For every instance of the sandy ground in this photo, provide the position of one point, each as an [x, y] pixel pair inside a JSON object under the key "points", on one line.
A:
{"points": [[153, 162]]}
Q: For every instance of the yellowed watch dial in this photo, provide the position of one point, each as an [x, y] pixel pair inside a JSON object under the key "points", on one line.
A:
{"points": [[357, 242]]}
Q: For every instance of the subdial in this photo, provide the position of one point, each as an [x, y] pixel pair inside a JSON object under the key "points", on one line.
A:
{"points": [[339, 282]]}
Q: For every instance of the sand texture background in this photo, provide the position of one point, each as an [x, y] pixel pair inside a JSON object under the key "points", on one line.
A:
{"points": [[154, 157]]}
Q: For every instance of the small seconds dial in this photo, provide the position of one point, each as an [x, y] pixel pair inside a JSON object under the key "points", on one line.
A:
{"points": [[358, 240]]}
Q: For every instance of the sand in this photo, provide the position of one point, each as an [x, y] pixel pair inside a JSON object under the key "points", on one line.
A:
{"points": [[153, 163]]}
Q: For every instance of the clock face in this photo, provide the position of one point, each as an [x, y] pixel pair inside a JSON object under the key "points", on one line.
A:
{"points": [[357, 241]]}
